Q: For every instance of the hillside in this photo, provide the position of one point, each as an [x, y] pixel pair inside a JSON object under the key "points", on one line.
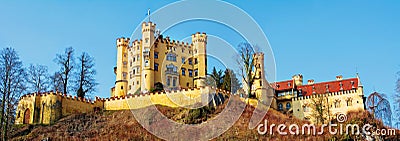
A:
{"points": [[121, 125]]}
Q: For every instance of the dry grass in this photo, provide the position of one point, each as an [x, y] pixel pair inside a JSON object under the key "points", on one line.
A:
{"points": [[121, 125]]}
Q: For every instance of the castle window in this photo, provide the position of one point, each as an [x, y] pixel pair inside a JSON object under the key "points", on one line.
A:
{"points": [[133, 59], [183, 50], [171, 68], [124, 75], [174, 81], [147, 40], [130, 87], [155, 66], [130, 64], [288, 106], [138, 58], [190, 61], [130, 75], [337, 104], [125, 64], [137, 82], [156, 55], [171, 57], [137, 47], [183, 60], [146, 63], [187, 84], [183, 71], [122, 87], [190, 72], [280, 107], [134, 71], [168, 81], [349, 102], [196, 72], [195, 61]]}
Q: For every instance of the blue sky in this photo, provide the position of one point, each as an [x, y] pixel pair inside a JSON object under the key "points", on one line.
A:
{"points": [[319, 39]]}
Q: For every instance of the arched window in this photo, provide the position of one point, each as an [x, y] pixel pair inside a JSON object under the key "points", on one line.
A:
{"points": [[280, 107], [337, 104], [349, 102], [288, 106]]}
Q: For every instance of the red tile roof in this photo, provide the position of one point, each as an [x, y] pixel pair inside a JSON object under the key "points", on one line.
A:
{"points": [[283, 85], [318, 88]]}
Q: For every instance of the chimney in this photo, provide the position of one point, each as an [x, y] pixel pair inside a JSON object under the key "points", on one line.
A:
{"points": [[310, 82], [338, 78]]}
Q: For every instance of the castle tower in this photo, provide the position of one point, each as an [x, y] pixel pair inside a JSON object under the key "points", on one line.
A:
{"points": [[148, 29], [122, 67], [199, 41], [259, 82], [297, 79]]}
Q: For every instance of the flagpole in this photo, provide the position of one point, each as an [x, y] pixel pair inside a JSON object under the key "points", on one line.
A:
{"points": [[148, 14]]}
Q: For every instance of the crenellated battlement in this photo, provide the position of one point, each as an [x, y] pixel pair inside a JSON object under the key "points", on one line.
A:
{"points": [[148, 26], [177, 43], [175, 98], [354, 91], [124, 42], [199, 37], [61, 95], [169, 92]]}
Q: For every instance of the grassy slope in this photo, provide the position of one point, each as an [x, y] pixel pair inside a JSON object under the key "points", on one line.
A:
{"points": [[121, 125]]}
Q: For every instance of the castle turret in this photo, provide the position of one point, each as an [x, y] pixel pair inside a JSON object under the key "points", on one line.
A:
{"points": [[297, 79], [260, 87], [122, 67], [148, 29], [199, 41]]}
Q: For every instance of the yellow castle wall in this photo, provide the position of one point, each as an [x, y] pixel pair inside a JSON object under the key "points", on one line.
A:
{"points": [[170, 99], [49, 107], [356, 104]]}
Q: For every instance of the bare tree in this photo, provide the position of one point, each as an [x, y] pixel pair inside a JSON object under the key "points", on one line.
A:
{"points": [[12, 78], [38, 78], [320, 107], [85, 75], [246, 66], [66, 62], [56, 82]]}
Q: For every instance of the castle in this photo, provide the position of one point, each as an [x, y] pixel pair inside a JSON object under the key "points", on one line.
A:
{"points": [[157, 60], [180, 69], [336, 97]]}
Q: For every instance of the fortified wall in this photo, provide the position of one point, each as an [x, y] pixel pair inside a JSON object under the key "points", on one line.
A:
{"points": [[46, 108]]}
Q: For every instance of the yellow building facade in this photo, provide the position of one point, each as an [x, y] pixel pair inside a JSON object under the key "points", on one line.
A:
{"points": [[154, 59]]}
